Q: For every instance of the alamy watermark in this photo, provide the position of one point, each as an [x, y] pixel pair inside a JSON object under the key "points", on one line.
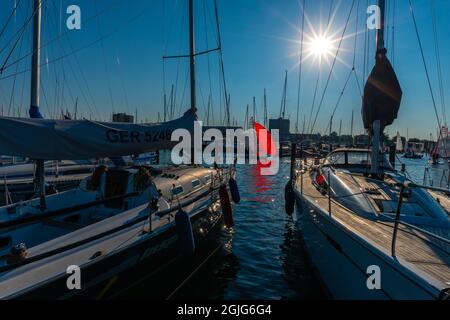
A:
{"points": [[374, 277], [237, 146], [73, 22], [374, 19], [73, 281]]}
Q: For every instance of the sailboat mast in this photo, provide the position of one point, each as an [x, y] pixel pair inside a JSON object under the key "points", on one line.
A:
{"points": [[265, 108], [36, 61], [351, 124], [192, 55], [376, 126], [254, 109], [39, 181], [380, 33], [283, 100]]}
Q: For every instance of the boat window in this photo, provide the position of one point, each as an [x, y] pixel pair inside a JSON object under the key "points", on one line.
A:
{"points": [[177, 190], [195, 183], [359, 158]]}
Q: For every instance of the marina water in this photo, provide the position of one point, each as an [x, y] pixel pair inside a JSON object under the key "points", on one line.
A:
{"points": [[262, 257]]}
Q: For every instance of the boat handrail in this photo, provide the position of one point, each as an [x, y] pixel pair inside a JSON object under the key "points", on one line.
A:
{"points": [[397, 222], [426, 232], [103, 234]]}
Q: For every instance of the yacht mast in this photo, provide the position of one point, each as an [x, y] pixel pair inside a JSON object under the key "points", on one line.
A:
{"points": [[376, 126], [380, 32], [265, 108], [192, 55], [34, 112], [36, 61], [283, 100]]}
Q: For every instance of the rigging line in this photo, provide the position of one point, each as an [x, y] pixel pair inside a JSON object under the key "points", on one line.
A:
{"points": [[19, 38], [80, 69], [314, 99], [202, 97], [356, 35], [47, 106], [438, 59], [16, 5], [366, 49], [332, 66], [210, 100], [339, 99], [424, 63], [122, 81], [80, 48], [177, 78], [394, 11], [354, 49], [222, 68], [194, 272], [300, 65], [11, 99], [319, 73], [184, 93], [358, 84], [163, 60], [20, 31], [23, 80], [59, 37], [386, 24], [102, 46], [330, 12]]}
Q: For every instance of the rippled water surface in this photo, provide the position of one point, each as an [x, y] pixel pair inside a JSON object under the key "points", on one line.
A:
{"points": [[263, 257]]}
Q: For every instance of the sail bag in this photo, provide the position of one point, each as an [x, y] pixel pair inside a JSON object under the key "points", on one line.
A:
{"points": [[382, 94], [46, 139]]}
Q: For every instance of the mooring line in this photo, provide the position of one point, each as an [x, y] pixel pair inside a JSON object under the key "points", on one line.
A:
{"points": [[193, 272]]}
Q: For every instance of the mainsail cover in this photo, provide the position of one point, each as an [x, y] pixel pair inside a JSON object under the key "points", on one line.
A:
{"points": [[43, 139], [382, 94]]}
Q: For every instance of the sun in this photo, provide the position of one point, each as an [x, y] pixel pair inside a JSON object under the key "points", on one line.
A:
{"points": [[320, 46]]}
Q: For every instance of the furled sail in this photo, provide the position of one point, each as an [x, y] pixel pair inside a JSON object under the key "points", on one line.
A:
{"points": [[83, 139], [382, 94]]}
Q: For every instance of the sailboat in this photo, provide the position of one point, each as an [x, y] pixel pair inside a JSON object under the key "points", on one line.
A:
{"points": [[121, 223], [362, 219]]}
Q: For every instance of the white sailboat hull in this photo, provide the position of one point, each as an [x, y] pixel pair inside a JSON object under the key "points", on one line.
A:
{"points": [[341, 258]]}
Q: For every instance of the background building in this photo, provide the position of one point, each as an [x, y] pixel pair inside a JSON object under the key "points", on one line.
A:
{"points": [[122, 117]]}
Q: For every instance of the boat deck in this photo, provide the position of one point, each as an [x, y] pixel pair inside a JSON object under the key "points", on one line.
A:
{"points": [[443, 199], [413, 247]]}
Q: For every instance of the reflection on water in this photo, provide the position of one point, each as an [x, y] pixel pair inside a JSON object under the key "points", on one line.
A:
{"points": [[262, 258]]}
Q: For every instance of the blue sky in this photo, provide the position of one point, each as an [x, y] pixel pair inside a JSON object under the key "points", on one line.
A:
{"points": [[260, 38]]}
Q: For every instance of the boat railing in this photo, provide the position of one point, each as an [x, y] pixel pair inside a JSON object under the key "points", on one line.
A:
{"points": [[398, 222], [444, 181], [126, 225]]}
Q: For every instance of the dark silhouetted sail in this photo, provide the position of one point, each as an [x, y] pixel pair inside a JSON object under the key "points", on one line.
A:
{"points": [[382, 94]]}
